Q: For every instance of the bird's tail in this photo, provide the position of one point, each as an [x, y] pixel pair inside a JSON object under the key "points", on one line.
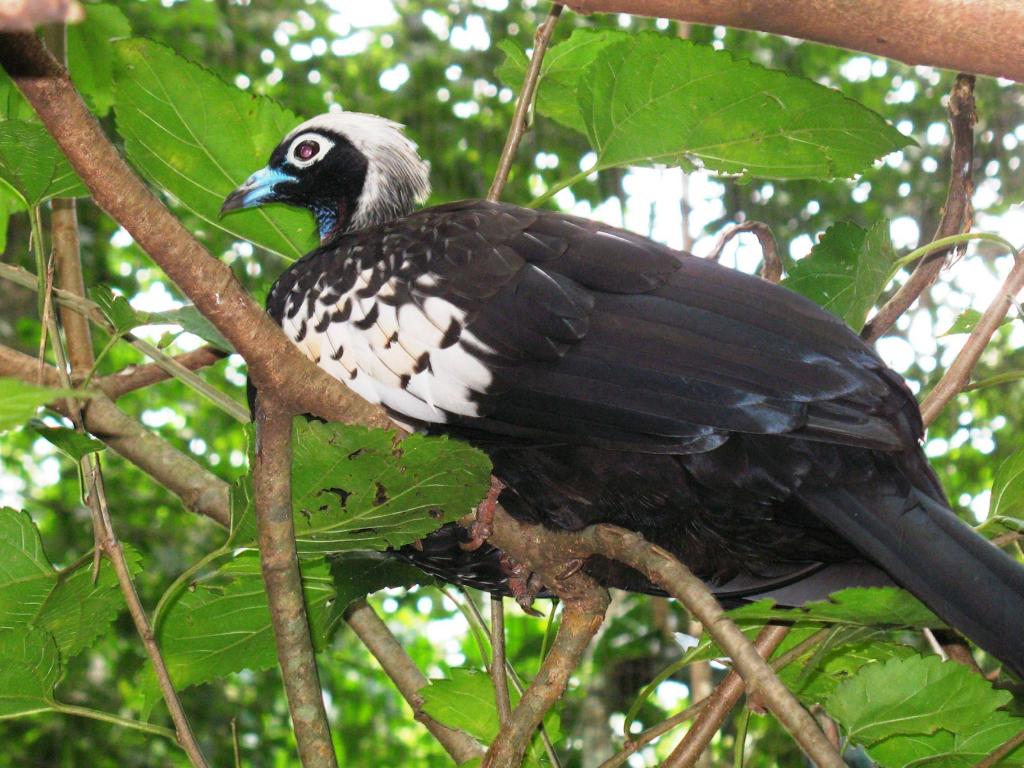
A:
{"points": [[974, 586]]}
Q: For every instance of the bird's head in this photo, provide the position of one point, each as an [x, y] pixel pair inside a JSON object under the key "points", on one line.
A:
{"points": [[352, 170]]}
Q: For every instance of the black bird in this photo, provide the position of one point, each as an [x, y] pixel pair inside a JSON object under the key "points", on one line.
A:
{"points": [[612, 379]]}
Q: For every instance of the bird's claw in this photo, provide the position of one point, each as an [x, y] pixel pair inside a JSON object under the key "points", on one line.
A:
{"points": [[523, 583]]}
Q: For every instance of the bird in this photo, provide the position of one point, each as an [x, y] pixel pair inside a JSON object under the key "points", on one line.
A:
{"points": [[612, 379]]}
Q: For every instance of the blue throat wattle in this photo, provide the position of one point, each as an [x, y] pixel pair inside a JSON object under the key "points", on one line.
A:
{"points": [[326, 221]]}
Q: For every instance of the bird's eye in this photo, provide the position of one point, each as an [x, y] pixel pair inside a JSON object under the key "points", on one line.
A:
{"points": [[307, 150]]}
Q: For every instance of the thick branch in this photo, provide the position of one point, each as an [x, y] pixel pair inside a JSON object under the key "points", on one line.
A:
{"points": [[985, 37], [274, 363], [272, 474], [407, 678], [140, 376], [957, 212]]}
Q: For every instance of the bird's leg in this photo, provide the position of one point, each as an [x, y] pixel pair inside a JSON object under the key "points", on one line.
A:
{"points": [[483, 526], [523, 583]]}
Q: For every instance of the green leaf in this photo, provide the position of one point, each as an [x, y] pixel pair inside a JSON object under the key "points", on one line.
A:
{"points": [[466, 701], [13, 105], [559, 72], [19, 401], [655, 99], [222, 625], [32, 164], [1008, 487], [10, 203], [68, 605], [198, 137], [943, 749], [68, 441], [968, 319], [90, 56], [191, 320], [915, 695], [117, 309], [846, 271], [357, 489], [29, 670], [864, 606]]}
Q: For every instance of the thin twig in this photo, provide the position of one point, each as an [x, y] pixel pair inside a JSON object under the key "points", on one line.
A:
{"points": [[407, 677], [771, 266], [957, 212], [959, 373], [720, 704], [498, 674], [136, 377], [272, 471], [517, 128]]}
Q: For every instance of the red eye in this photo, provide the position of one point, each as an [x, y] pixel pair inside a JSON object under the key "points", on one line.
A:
{"points": [[307, 150]]}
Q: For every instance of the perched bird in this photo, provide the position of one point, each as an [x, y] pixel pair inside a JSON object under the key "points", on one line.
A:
{"points": [[614, 380]]}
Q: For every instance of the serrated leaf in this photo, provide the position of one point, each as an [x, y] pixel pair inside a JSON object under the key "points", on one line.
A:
{"points": [[466, 701], [90, 58], [559, 72], [117, 309], [864, 606], [358, 489], [846, 271], [222, 625], [68, 441], [197, 137], [915, 695], [32, 164], [191, 320], [29, 670], [67, 605], [19, 401], [654, 99], [1008, 487]]}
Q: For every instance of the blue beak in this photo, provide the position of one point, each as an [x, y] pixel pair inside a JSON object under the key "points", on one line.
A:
{"points": [[257, 190]]}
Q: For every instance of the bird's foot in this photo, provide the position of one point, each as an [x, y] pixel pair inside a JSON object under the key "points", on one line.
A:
{"points": [[483, 526], [523, 583]]}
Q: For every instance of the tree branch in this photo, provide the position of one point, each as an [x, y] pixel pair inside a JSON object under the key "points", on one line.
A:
{"points": [[498, 672], [200, 491], [541, 39], [983, 36], [959, 373], [406, 676], [771, 267], [719, 704], [957, 212], [272, 475]]}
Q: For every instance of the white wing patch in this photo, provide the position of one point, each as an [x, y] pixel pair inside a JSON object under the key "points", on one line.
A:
{"points": [[394, 356]]}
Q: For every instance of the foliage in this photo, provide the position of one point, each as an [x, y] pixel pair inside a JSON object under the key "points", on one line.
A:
{"points": [[198, 93]]}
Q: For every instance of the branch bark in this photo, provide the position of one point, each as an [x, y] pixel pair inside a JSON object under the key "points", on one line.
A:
{"points": [[957, 212], [982, 36], [272, 475]]}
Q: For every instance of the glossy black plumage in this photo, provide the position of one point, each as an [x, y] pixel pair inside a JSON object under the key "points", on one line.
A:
{"points": [[611, 379]]}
